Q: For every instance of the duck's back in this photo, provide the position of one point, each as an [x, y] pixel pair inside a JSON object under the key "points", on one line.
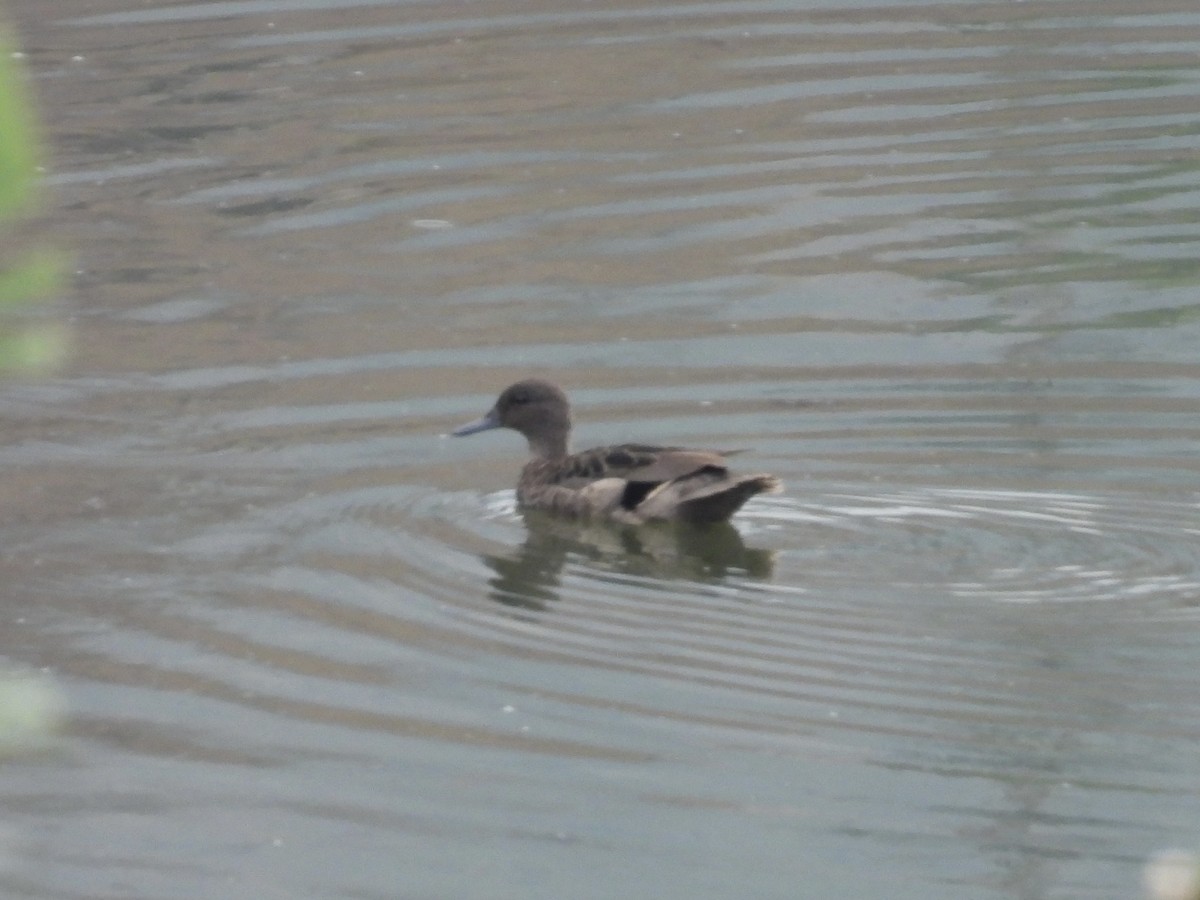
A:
{"points": [[634, 462]]}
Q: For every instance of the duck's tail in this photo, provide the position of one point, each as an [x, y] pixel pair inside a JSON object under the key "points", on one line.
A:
{"points": [[701, 500], [721, 500]]}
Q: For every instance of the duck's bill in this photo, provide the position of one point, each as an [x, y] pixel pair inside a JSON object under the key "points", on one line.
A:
{"points": [[491, 420]]}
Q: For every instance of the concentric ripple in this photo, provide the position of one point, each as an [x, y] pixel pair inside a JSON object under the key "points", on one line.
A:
{"points": [[1004, 545]]}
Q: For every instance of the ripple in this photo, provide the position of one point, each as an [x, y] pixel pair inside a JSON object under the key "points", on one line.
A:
{"points": [[1016, 546], [788, 615]]}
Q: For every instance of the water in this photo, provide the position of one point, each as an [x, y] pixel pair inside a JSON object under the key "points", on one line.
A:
{"points": [[934, 263]]}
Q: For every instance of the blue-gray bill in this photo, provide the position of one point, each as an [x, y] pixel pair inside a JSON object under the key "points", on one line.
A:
{"points": [[491, 420]]}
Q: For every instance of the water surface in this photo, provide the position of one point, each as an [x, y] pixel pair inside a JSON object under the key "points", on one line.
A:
{"points": [[934, 262]]}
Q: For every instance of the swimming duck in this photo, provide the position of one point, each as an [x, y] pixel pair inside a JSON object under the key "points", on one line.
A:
{"points": [[628, 483]]}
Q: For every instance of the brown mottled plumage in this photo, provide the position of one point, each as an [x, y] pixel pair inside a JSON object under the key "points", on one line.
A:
{"points": [[630, 483]]}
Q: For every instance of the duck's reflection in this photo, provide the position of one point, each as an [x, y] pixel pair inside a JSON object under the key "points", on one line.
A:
{"points": [[529, 577]]}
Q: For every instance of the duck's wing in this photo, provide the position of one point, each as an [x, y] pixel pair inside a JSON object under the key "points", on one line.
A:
{"points": [[641, 463]]}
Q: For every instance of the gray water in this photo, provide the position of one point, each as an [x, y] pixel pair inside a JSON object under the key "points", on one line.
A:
{"points": [[934, 263]]}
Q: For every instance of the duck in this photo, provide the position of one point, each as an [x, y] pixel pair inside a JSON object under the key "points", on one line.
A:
{"points": [[630, 484]]}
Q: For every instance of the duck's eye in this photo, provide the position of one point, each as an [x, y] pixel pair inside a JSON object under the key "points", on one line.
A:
{"points": [[518, 397]]}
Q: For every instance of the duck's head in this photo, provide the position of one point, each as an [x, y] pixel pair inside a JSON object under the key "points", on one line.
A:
{"points": [[537, 409]]}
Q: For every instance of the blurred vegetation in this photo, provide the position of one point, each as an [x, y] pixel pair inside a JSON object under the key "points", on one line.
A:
{"points": [[32, 713], [32, 708], [30, 275]]}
